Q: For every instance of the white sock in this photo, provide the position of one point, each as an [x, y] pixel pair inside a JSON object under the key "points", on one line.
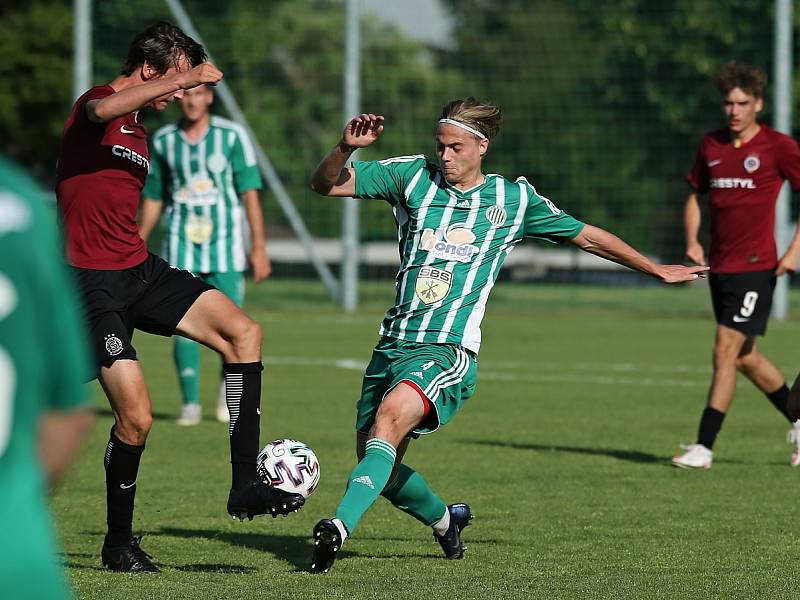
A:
{"points": [[442, 525], [342, 529]]}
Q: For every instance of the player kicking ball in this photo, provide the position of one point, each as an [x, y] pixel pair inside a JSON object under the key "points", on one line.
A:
{"points": [[102, 167], [456, 226]]}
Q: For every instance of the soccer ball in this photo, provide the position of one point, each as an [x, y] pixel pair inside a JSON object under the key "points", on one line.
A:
{"points": [[290, 466]]}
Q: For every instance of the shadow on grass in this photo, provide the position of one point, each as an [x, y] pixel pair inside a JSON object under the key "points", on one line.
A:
{"points": [[628, 455], [295, 549]]}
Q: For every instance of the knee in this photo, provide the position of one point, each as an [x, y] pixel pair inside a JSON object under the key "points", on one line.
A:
{"points": [[246, 337], [746, 362], [725, 354], [134, 428]]}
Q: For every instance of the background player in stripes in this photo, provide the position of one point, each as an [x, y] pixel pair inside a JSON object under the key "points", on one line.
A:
{"points": [[456, 226], [102, 166], [741, 168], [202, 172]]}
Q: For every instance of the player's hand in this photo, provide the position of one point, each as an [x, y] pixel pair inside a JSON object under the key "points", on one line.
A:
{"points": [[204, 73], [681, 273], [787, 264], [362, 130], [260, 265], [694, 252]]}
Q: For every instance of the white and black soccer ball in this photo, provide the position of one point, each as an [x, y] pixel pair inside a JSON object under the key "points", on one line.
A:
{"points": [[290, 466]]}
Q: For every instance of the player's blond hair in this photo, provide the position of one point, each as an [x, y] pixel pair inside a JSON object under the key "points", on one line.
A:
{"points": [[482, 116]]}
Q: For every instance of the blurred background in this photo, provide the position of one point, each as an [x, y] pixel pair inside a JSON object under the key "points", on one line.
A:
{"points": [[605, 101]]}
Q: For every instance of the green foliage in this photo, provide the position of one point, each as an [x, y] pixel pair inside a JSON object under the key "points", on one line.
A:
{"points": [[35, 80], [604, 100]]}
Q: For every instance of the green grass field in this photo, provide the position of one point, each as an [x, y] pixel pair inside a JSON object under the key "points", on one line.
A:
{"points": [[563, 453]]}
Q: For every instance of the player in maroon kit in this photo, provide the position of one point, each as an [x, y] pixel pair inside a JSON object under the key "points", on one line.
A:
{"points": [[742, 168], [102, 167]]}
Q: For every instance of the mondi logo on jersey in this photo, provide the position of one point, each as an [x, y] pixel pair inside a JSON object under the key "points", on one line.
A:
{"points": [[457, 244]]}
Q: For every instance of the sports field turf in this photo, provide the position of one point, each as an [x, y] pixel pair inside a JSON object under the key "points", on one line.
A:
{"points": [[563, 453]]}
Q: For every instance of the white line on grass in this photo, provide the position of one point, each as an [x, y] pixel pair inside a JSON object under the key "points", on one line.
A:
{"points": [[566, 372]]}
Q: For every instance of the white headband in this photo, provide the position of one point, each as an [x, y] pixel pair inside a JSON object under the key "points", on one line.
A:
{"points": [[463, 126]]}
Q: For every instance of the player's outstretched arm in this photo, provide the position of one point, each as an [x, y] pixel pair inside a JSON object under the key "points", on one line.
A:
{"points": [[605, 244], [330, 177], [137, 96]]}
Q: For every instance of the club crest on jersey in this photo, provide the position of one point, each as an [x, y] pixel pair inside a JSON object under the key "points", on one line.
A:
{"points": [[751, 163], [457, 243], [433, 284], [216, 163], [113, 344], [496, 215]]}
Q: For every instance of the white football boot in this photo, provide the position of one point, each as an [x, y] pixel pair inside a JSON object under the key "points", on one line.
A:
{"points": [[696, 456], [793, 437], [191, 414]]}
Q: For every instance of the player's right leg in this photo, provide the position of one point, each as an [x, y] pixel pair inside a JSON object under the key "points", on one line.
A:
{"points": [[125, 388], [400, 410], [727, 347], [105, 296]]}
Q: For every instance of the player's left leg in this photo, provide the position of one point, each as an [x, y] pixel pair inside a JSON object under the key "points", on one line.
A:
{"points": [[767, 378], [215, 321], [177, 302]]}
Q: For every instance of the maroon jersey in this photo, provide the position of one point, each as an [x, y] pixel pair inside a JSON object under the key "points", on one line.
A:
{"points": [[743, 185], [101, 171]]}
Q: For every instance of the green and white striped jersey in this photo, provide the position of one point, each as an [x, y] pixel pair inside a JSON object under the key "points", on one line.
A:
{"points": [[201, 184], [453, 243]]}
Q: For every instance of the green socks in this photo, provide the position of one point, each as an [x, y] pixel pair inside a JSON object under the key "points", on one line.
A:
{"points": [[410, 493], [366, 482], [187, 361]]}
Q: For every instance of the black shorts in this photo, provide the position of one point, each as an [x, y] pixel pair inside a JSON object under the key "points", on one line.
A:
{"points": [[742, 301], [151, 296]]}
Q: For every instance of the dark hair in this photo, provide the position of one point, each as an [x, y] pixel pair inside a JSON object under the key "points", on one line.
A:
{"points": [[482, 116], [751, 80], [162, 45]]}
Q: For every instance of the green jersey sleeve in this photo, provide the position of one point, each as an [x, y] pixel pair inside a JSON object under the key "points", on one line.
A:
{"points": [[387, 179], [154, 185], [243, 161], [545, 221]]}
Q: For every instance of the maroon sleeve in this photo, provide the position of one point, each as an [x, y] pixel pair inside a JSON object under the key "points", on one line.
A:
{"points": [[96, 93], [698, 176], [789, 160]]}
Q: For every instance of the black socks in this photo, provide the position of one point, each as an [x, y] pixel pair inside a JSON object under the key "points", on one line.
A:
{"points": [[122, 468], [243, 396], [710, 424]]}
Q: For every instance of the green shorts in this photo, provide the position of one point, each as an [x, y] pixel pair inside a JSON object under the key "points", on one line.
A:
{"points": [[445, 374], [231, 284]]}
